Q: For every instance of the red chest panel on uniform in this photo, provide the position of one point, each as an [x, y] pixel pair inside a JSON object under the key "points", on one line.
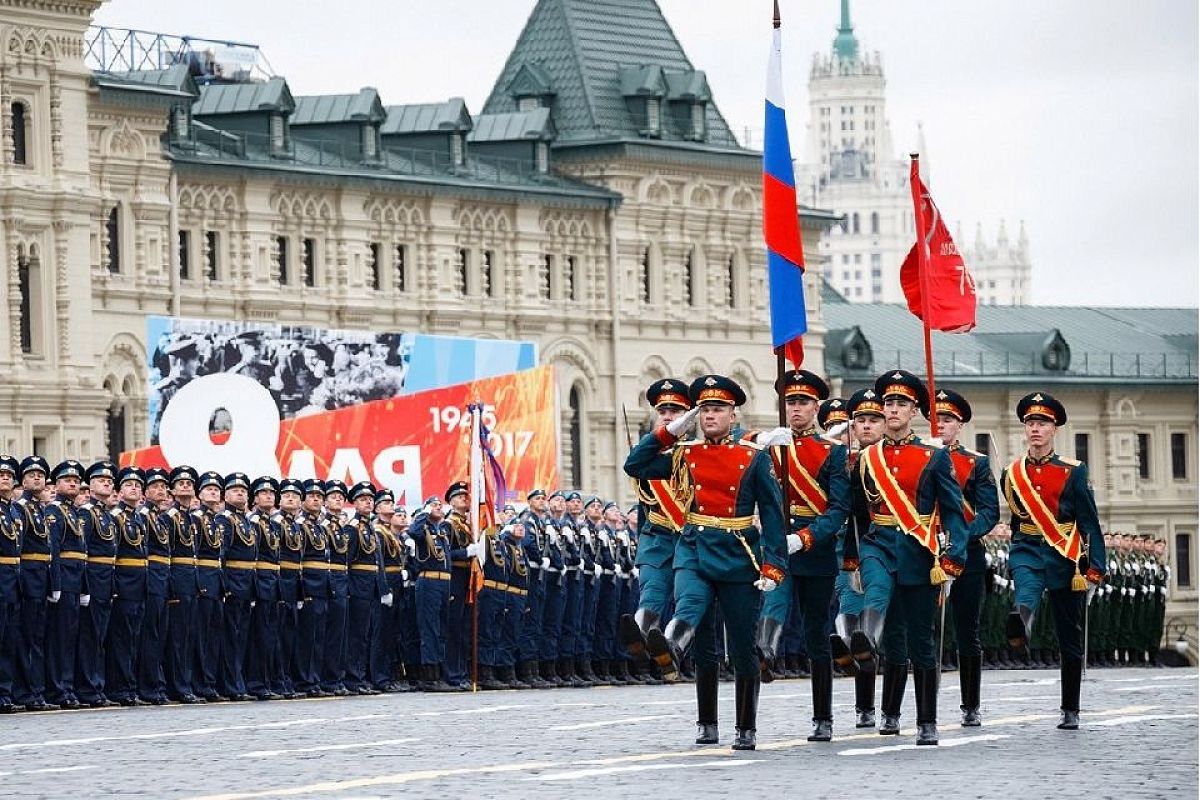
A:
{"points": [[1048, 480], [717, 471], [964, 465], [811, 452], [907, 462]]}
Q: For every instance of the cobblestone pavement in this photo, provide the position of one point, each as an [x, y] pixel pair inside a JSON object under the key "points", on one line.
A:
{"points": [[1138, 740]]}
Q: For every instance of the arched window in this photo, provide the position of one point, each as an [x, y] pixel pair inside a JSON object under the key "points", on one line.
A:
{"points": [[570, 279], [24, 279], [20, 125], [112, 236], [644, 276], [487, 274], [875, 222], [401, 266], [731, 292], [115, 424], [461, 266], [547, 271], [575, 438], [688, 264]]}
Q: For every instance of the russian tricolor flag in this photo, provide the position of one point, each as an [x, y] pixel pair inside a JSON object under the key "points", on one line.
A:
{"points": [[781, 223]]}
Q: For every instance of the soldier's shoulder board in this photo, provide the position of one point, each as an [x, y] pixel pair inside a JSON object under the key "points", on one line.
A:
{"points": [[973, 453], [936, 444], [1070, 462]]}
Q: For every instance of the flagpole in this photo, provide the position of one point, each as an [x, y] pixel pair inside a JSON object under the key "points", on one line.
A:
{"points": [[923, 269], [476, 478]]}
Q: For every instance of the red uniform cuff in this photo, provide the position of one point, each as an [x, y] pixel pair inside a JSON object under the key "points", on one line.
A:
{"points": [[850, 564], [1094, 576], [806, 537], [773, 572], [951, 567], [665, 438]]}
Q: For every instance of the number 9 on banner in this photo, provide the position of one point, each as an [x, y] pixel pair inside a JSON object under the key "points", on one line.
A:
{"points": [[250, 448]]}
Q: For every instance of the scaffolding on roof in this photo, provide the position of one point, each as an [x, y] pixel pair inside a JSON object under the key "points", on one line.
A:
{"points": [[209, 60]]}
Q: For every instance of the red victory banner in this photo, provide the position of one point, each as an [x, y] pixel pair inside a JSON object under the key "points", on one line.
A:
{"points": [[415, 445], [936, 283]]}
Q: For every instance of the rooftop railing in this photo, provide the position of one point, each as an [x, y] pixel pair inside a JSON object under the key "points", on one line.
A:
{"points": [[128, 50], [979, 364]]}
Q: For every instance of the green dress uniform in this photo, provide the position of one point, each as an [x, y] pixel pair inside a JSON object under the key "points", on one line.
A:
{"points": [[720, 554]]}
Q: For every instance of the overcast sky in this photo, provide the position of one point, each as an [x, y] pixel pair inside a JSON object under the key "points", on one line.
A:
{"points": [[1077, 116]]}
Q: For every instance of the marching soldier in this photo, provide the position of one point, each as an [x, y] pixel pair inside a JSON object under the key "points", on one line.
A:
{"points": [[68, 568], [291, 589], [210, 607], [1056, 537], [818, 501], [721, 481], [129, 589], [240, 544], [458, 624], [981, 512], [152, 686], [430, 535], [906, 481], [184, 587], [537, 559], [333, 671], [313, 608], [99, 531], [11, 527], [262, 650], [368, 587]]}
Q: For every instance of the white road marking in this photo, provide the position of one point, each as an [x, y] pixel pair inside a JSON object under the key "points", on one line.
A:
{"points": [[324, 748], [1138, 718], [48, 770], [1034, 682], [580, 774], [477, 710], [605, 723], [168, 734], [895, 748]]}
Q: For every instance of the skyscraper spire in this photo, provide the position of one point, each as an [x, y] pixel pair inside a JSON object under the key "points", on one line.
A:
{"points": [[845, 45]]}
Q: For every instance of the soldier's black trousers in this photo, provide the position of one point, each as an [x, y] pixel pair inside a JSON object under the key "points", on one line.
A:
{"points": [[90, 655], [234, 643], [62, 639], [333, 667], [152, 644], [310, 643], [9, 645], [181, 643], [585, 644], [433, 597], [31, 656], [285, 659], [966, 601], [908, 630], [262, 647], [458, 627], [121, 651], [1067, 607], [553, 607], [812, 596], [531, 621], [209, 630], [361, 629]]}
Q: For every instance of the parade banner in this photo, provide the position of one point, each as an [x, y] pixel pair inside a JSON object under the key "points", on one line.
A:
{"points": [[414, 444], [309, 370]]}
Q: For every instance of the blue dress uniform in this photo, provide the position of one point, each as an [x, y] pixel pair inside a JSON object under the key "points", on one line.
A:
{"points": [[129, 596], [981, 512], [431, 539], [11, 528], [493, 604], [591, 570], [628, 589], [314, 607], [333, 670], [534, 544], [720, 554], [555, 578], [210, 605], [291, 593], [912, 480], [608, 607], [516, 607], [387, 651], [62, 635], [1057, 547], [152, 641], [38, 550], [99, 531], [368, 589], [240, 543], [183, 593], [572, 614], [818, 499], [262, 652], [659, 520], [458, 625]]}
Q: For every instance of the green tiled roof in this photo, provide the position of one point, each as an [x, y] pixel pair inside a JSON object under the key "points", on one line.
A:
{"points": [[173, 80], [242, 98], [513, 126], [583, 46], [1106, 344], [451, 115], [333, 108]]}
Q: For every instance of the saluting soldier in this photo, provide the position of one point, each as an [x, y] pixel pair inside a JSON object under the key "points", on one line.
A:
{"points": [[291, 589], [68, 568], [262, 650], [313, 608], [240, 543], [907, 482], [386, 662], [368, 587], [99, 531], [537, 560], [981, 512], [458, 624], [430, 534], [818, 501], [152, 685], [184, 586], [11, 528], [1057, 544], [129, 589], [333, 671], [210, 605], [720, 556]]}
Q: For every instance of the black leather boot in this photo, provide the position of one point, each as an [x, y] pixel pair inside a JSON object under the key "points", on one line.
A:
{"points": [[839, 640], [1071, 676], [550, 674], [746, 698], [583, 668], [632, 630], [864, 639], [766, 644], [895, 676], [432, 682], [925, 680], [666, 648], [969, 677], [864, 699], [822, 697], [707, 680], [1017, 628]]}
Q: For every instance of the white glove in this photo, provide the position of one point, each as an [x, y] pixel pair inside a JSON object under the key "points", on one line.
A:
{"points": [[765, 585], [411, 545], [403, 574], [856, 582], [597, 571], [54, 596], [623, 537], [795, 543], [774, 438], [252, 603], [635, 572], [386, 600], [545, 562], [299, 605], [999, 581], [620, 572], [85, 600], [677, 426], [473, 549]]}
